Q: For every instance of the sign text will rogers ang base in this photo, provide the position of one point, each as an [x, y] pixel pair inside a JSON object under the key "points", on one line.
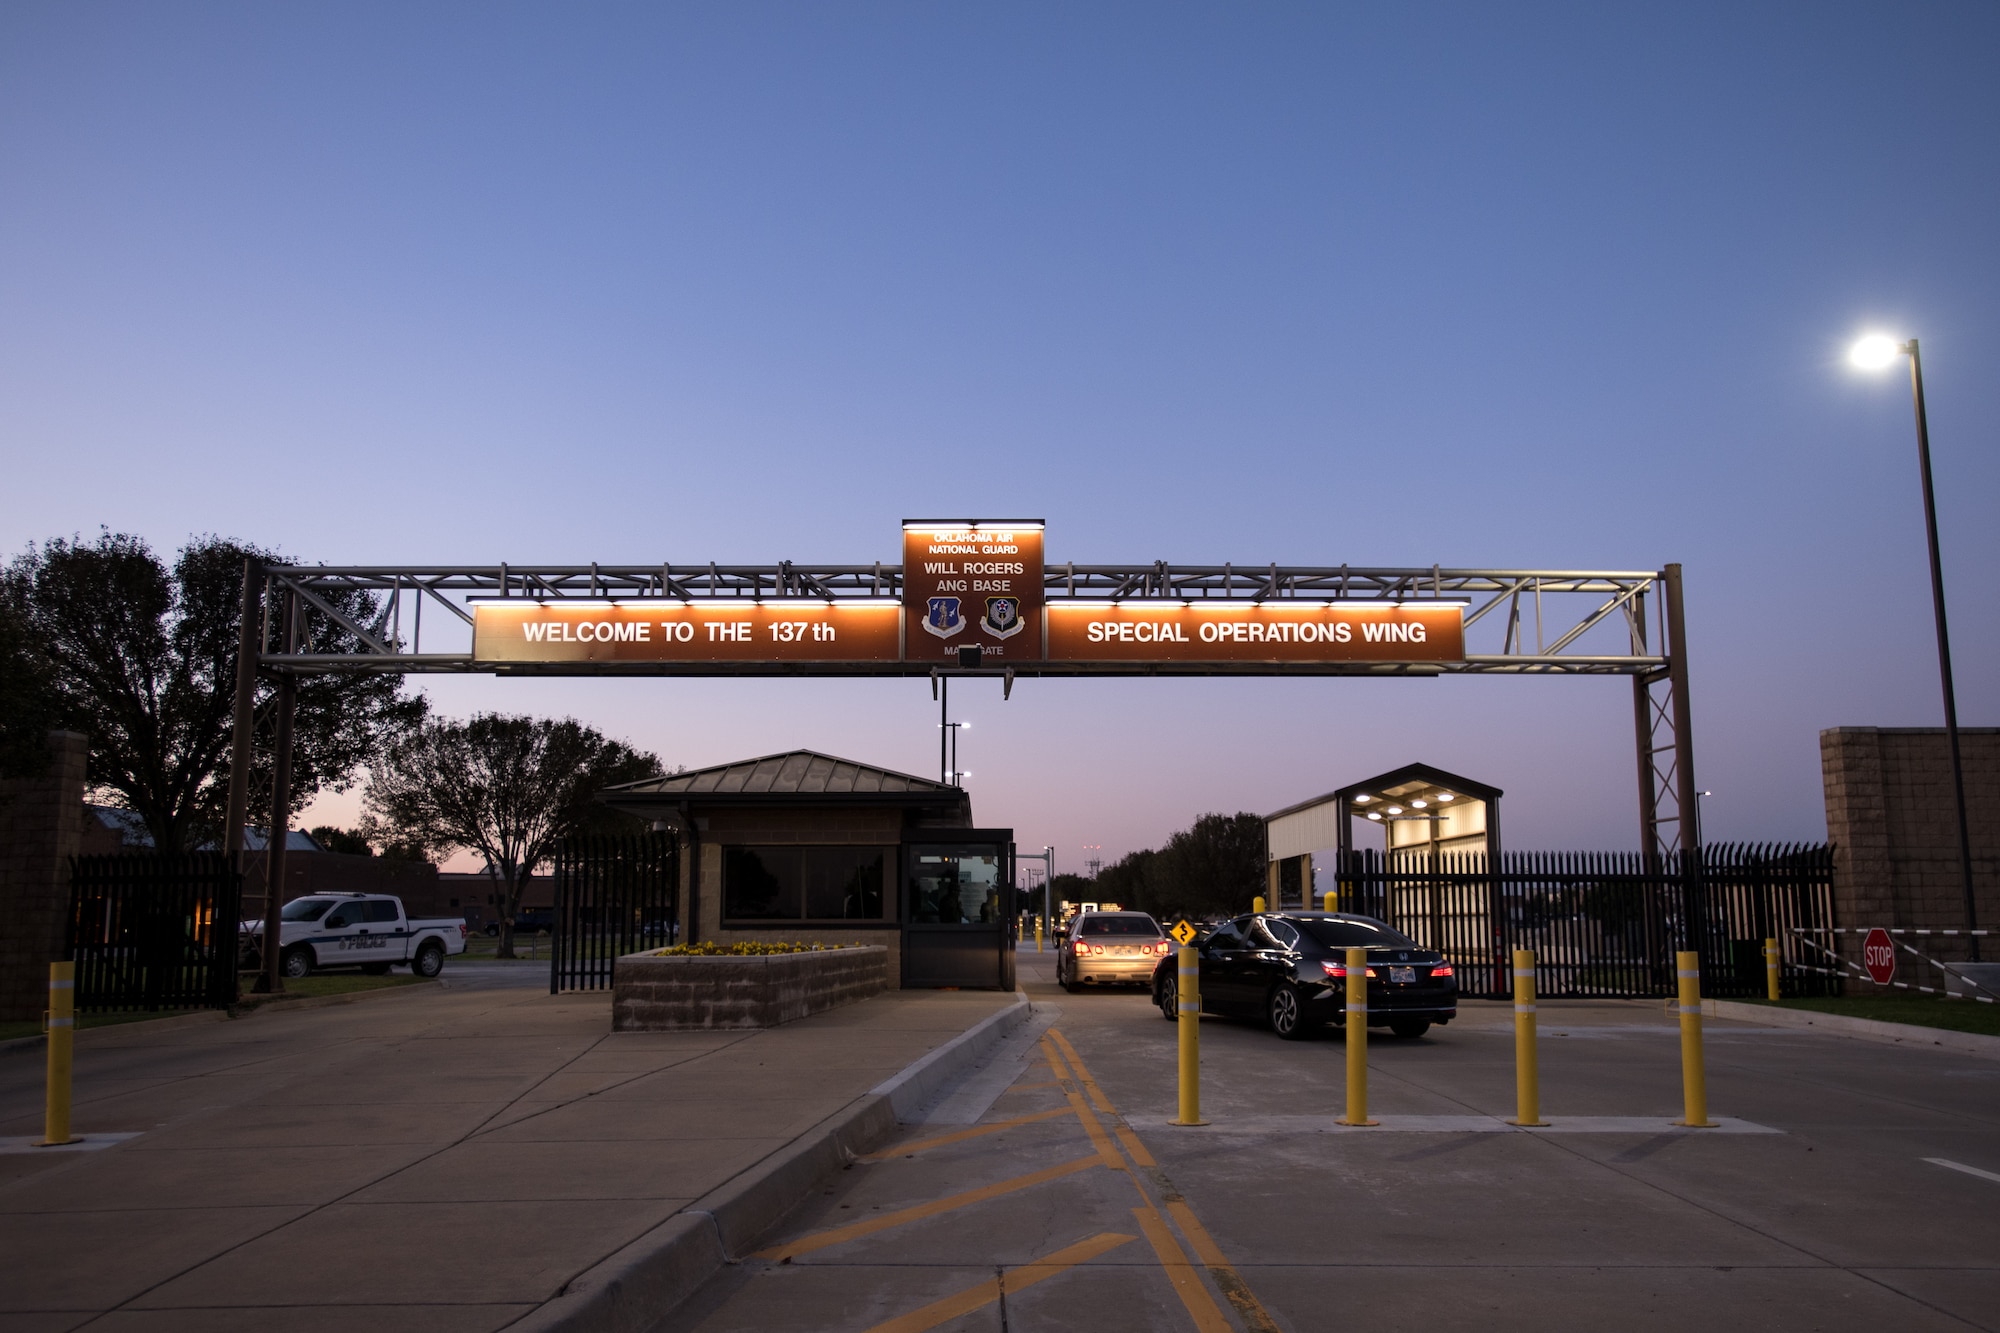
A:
{"points": [[1277, 632]]}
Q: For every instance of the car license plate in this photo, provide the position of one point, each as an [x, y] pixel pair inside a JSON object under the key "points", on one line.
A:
{"points": [[1402, 976]]}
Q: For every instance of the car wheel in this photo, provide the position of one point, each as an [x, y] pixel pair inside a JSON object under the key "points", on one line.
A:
{"points": [[429, 961], [493, 930], [1169, 998], [1409, 1028], [1285, 1013], [376, 969], [297, 963]]}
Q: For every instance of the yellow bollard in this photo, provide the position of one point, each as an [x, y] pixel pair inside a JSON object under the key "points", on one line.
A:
{"points": [[1694, 1082], [1326, 901], [1771, 970], [1257, 903], [1038, 934], [1357, 1039], [62, 1030], [1527, 1073], [1187, 997]]}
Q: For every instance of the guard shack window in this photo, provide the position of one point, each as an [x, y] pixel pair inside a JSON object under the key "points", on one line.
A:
{"points": [[804, 883], [954, 885]]}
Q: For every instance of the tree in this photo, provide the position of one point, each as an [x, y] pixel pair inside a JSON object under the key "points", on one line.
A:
{"points": [[1069, 888], [366, 841], [27, 694], [507, 788], [1214, 867], [143, 660]]}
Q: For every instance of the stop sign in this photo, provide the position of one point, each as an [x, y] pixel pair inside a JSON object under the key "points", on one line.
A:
{"points": [[1878, 955]]}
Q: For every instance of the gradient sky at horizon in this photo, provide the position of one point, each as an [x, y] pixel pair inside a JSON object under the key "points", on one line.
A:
{"points": [[1532, 286]]}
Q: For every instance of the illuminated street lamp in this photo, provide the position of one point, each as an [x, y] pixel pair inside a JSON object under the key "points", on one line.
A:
{"points": [[1879, 352]]}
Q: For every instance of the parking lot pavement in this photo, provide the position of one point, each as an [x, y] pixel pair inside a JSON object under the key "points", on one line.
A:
{"points": [[1071, 1203], [430, 1159]]}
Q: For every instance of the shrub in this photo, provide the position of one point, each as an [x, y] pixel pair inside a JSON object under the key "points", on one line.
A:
{"points": [[747, 948]]}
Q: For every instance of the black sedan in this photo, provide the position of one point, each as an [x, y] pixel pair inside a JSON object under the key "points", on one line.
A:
{"points": [[1289, 970]]}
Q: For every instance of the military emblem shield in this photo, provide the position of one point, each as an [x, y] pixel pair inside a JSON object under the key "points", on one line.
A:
{"points": [[1003, 617], [942, 618]]}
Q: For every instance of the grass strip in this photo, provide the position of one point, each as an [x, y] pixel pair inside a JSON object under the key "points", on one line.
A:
{"points": [[1951, 1015]]}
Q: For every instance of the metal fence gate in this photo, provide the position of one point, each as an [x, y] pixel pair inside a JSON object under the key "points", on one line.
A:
{"points": [[154, 931], [614, 895], [1605, 924]]}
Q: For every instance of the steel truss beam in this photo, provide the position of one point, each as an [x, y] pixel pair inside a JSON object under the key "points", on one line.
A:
{"points": [[1530, 622], [1562, 606]]}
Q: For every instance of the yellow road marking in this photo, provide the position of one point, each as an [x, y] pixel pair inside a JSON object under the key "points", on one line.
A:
{"points": [[1187, 1284], [1133, 1146], [1098, 1138], [1097, 1096], [854, 1231], [1234, 1289], [1232, 1285], [924, 1145], [1015, 1279]]}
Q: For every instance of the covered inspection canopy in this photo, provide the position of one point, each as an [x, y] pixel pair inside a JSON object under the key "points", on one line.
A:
{"points": [[1422, 810]]}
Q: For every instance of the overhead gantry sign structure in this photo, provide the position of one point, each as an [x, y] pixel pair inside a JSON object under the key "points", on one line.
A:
{"points": [[977, 597]]}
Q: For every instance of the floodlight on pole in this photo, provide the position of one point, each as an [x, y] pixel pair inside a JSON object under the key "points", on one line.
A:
{"points": [[1878, 352]]}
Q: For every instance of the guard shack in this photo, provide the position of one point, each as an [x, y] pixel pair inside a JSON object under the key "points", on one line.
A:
{"points": [[808, 846], [1432, 822]]}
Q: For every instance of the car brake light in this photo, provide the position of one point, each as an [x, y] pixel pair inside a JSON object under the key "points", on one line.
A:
{"points": [[1339, 970], [1441, 970]]}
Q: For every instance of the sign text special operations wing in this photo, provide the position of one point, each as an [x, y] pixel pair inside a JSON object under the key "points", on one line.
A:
{"points": [[1279, 632], [790, 630], [972, 584]]}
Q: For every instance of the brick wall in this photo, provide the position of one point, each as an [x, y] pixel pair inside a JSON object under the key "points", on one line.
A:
{"points": [[1894, 826], [825, 826], [41, 823]]}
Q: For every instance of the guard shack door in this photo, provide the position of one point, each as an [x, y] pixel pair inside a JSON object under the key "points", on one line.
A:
{"points": [[958, 911]]}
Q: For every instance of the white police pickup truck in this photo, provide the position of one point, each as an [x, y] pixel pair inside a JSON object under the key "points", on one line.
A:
{"points": [[365, 930]]}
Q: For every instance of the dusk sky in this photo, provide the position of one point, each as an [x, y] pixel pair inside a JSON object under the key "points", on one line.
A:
{"points": [[1542, 286]]}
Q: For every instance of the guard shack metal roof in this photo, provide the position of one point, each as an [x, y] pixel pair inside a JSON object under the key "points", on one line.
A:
{"points": [[790, 778], [1322, 822]]}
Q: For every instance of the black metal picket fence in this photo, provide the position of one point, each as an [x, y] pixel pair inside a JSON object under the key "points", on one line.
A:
{"points": [[1605, 924], [614, 895], [154, 931]]}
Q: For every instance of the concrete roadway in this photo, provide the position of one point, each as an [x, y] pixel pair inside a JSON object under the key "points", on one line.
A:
{"points": [[1070, 1202]]}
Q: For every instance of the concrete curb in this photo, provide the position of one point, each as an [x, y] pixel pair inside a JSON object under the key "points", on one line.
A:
{"points": [[1865, 1029], [634, 1289], [175, 1022], [918, 1086]]}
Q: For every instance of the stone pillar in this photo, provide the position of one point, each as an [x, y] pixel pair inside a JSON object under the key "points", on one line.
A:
{"points": [[41, 826]]}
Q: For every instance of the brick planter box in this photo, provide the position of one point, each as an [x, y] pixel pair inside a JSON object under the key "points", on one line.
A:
{"points": [[691, 993]]}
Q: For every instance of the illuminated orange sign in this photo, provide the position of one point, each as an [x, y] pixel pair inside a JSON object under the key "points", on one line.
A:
{"points": [[1248, 632], [971, 584], [792, 630]]}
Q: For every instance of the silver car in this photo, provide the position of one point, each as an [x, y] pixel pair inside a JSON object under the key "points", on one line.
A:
{"points": [[1110, 949]]}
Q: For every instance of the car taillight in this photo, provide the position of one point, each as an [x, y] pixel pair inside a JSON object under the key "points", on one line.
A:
{"points": [[1339, 970], [1097, 948], [1441, 970]]}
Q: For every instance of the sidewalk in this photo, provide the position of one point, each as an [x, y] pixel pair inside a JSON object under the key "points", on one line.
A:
{"points": [[443, 1160]]}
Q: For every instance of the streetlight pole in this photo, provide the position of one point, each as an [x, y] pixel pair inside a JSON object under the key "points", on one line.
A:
{"points": [[1869, 353], [1943, 639]]}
